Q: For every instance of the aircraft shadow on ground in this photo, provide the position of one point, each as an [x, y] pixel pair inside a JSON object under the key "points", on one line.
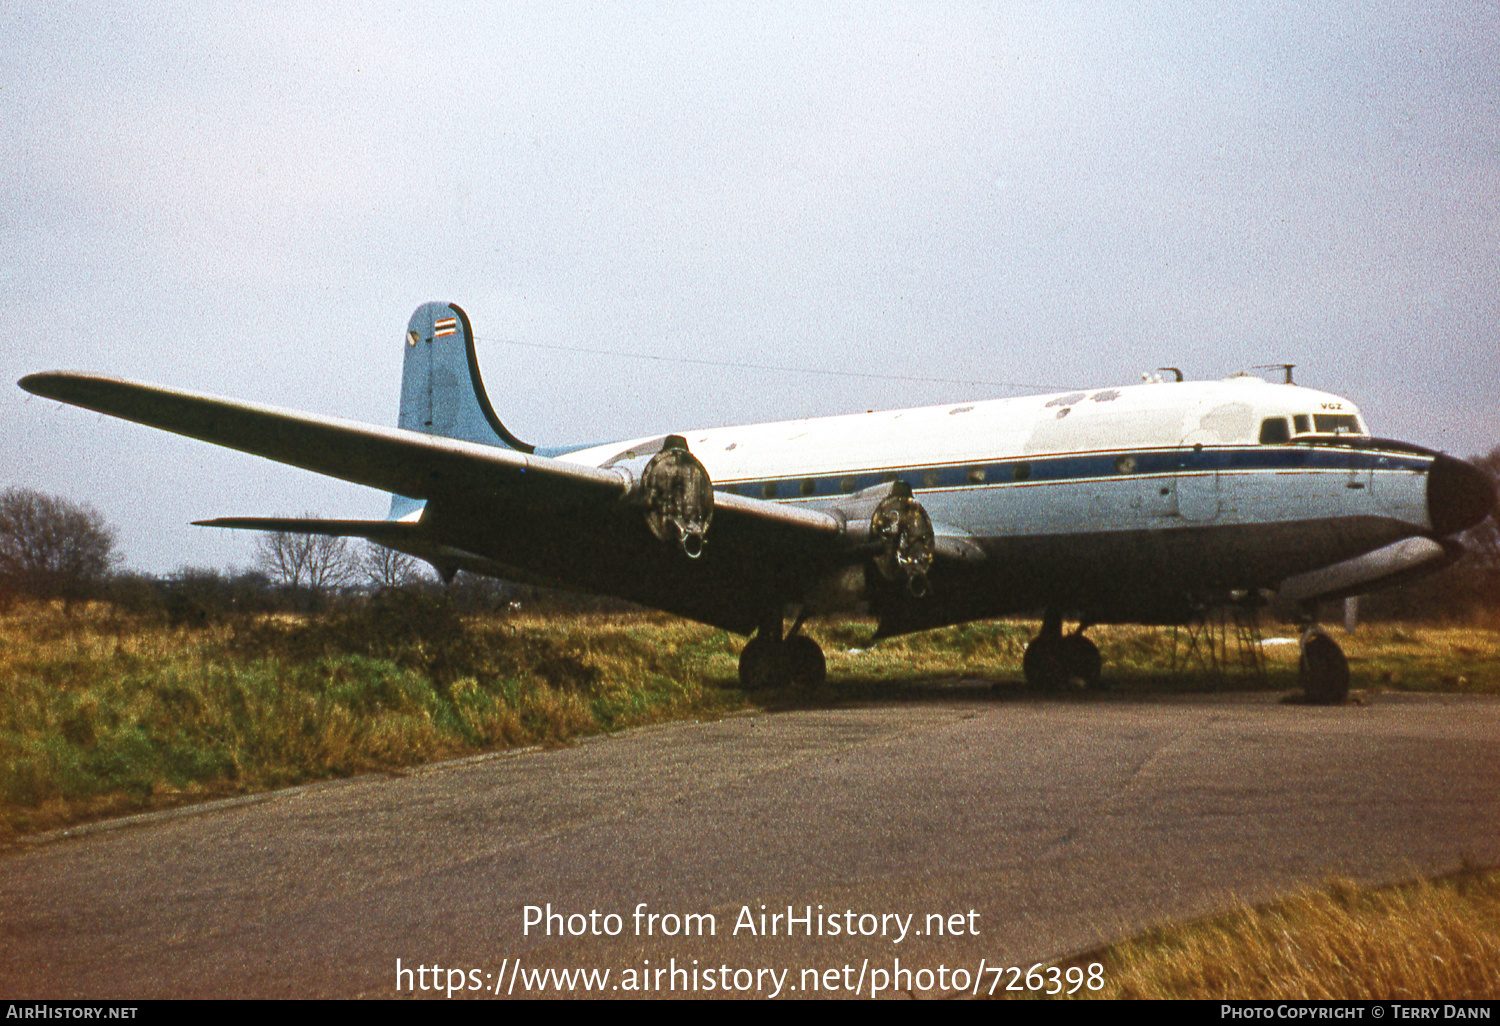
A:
{"points": [[938, 689]]}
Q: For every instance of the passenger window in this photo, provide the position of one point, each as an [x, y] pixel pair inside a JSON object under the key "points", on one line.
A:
{"points": [[1301, 423], [846, 484], [1021, 471], [929, 478], [976, 475], [768, 490], [1273, 431], [809, 486]]}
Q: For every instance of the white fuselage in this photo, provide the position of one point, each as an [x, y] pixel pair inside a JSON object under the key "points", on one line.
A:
{"points": [[1153, 456]]}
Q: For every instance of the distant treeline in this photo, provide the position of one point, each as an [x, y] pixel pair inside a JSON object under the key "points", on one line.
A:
{"points": [[200, 596]]}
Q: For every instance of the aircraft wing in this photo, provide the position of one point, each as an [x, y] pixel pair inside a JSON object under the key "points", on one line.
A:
{"points": [[567, 523], [408, 463], [405, 462]]}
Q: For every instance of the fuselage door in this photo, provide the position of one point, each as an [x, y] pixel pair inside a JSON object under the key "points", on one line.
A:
{"points": [[1198, 497]]}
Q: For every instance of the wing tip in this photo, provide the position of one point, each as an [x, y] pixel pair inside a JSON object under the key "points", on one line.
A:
{"points": [[36, 384], [58, 384]]}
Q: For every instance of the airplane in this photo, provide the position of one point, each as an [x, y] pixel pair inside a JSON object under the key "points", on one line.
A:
{"points": [[1146, 503]]}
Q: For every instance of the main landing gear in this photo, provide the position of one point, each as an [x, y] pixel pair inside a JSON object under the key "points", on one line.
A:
{"points": [[770, 660], [1323, 671], [1053, 658]]}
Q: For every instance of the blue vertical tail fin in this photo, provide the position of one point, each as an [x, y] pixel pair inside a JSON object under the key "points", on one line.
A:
{"points": [[441, 389]]}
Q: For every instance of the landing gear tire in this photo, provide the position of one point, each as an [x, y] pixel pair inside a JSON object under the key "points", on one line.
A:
{"points": [[1042, 664], [1323, 672], [762, 664], [806, 666], [767, 662], [1081, 660]]}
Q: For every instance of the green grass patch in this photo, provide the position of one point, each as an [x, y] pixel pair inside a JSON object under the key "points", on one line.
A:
{"points": [[102, 713], [1398, 657]]}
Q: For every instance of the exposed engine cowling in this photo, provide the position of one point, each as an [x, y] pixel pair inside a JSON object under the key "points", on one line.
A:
{"points": [[905, 532], [679, 496]]}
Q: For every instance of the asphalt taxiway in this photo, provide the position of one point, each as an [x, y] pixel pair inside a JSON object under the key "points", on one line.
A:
{"points": [[1044, 825]]}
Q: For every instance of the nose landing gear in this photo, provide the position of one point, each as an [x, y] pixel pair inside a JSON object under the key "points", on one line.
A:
{"points": [[1323, 671]]}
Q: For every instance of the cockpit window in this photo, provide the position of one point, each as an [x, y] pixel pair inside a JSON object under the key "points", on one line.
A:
{"points": [[1336, 424], [1274, 430]]}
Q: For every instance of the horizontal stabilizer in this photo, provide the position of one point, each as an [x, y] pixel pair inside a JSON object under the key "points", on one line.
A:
{"points": [[384, 532], [403, 536]]}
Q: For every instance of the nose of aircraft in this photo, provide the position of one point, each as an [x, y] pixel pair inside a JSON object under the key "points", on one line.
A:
{"points": [[1459, 495]]}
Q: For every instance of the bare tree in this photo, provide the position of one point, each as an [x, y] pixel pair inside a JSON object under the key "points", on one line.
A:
{"points": [[317, 563], [387, 568], [53, 548]]}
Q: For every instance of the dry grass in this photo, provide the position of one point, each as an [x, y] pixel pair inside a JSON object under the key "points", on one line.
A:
{"points": [[1422, 941], [102, 714], [1401, 657]]}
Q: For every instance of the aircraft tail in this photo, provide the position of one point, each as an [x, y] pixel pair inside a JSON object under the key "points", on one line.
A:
{"points": [[441, 389]]}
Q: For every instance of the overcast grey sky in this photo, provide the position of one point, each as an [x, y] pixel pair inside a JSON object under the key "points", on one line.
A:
{"points": [[251, 200]]}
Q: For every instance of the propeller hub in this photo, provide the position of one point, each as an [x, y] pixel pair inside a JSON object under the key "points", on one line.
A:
{"points": [[1459, 495]]}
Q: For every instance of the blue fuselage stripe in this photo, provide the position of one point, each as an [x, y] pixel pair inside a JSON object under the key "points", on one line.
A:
{"points": [[1083, 467]]}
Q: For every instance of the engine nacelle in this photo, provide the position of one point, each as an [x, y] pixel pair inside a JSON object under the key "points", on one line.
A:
{"points": [[890, 524], [904, 531], [679, 496]]}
